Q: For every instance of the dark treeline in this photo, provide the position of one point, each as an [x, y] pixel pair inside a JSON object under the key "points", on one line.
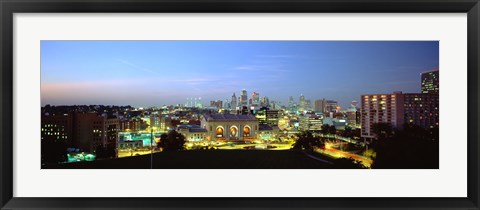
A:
{"points": [[412, 147]]}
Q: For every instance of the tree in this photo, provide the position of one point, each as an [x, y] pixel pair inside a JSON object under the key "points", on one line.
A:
{"points": [[412, 147], [383, 130], [306, 141], [53, 150], [105, 152], [173, 141], [325, 128]]}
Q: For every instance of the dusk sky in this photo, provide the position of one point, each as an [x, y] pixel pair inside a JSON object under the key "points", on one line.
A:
{"points": [[155, 73]]}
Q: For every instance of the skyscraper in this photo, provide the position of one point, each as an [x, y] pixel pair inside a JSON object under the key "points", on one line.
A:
{"points": [[290, 103], [320, 105], [234, 102], [244, 98], [430, 81], [302, 103]]}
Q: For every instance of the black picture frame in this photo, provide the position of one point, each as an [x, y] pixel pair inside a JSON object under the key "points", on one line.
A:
{"points": [[9, 7]]}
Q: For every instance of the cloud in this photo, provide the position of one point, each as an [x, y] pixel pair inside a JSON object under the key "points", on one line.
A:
{"points": [[135, 66], [263, 68]]}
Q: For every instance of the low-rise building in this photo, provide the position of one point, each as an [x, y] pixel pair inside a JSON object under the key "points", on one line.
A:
{"points": [[230, 127]]}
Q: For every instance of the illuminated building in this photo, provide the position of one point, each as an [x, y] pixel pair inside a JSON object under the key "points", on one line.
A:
{"points": [[218, 104], [85, 131], [244, 98], [266, 132], [320, 105], [266, 116], [272, 117], [227, 104], [302, 103], [330, 106], [261, 115], [308, 105], [255, 104], [134, 124], [381, 108], [265, 102], [291, 104], [57, 127], [353, 117], [230, 127], [233, 102], [192, 133], [338, 123], [157, 122], [430, 82], [421, 109], [310, 122]]}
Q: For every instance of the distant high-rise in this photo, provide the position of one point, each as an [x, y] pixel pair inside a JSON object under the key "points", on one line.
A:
{"points": [[233, 102], [430, 81], [255, 98], [244, 98], [302, 103], [320, 105], [290, 103], [330, 106], [265, 102]]}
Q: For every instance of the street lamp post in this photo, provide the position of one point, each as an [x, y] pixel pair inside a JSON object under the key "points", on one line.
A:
{"points": [[151, 148]]}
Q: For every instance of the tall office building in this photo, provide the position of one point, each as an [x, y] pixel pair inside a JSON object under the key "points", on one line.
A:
{"points": [[233, 102], [302, 103], [244, 98], [265, 102], [255, 99], [381, 108], [422, 109], [330, 106], [320, 105], [430, 81], [290, 103]]}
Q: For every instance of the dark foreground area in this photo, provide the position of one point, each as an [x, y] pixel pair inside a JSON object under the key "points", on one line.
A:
{"points": [[209, 159]]}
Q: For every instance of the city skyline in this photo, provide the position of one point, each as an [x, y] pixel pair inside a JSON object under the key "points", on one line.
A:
{"points": [[155, 73]]}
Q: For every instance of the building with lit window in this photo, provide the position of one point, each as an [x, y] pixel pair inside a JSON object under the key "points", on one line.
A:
{"points": [[230, 127], [244, 98], [430, 82], [310, 122], [158, 122], [422, 109], [133, 124], [320, 105], [268, 133], [85, 131], [381, 108], [192, 133]]}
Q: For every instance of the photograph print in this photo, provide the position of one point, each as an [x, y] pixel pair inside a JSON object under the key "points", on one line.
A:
{"points": [[239, 104]]}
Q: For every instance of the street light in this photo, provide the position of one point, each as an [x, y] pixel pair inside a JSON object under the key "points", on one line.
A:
{"points": [[151, 148]]}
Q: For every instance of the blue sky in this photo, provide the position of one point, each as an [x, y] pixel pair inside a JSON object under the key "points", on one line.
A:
{"points": [[155, 73]]}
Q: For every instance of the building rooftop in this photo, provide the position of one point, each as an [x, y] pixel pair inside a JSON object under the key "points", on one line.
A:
{"points": [[229, 117], [192, 128]]}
